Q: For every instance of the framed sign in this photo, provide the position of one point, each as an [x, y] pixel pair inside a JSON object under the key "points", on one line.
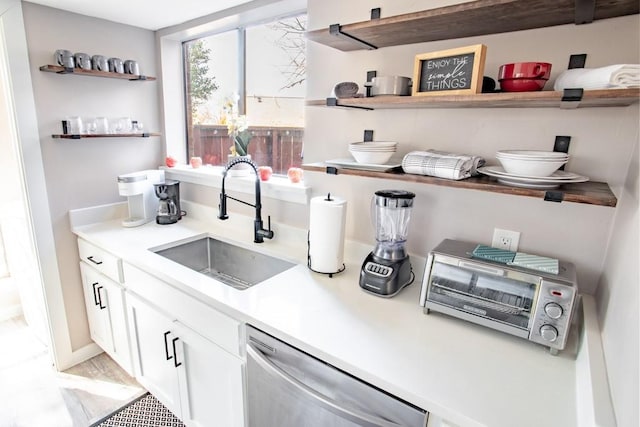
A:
{"points": [[449, 72]]}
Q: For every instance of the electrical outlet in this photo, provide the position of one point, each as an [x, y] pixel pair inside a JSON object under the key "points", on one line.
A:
{"points": [[505, 239]]}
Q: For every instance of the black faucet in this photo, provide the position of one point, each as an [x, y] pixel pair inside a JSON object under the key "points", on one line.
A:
{"points": [[259, 233]]}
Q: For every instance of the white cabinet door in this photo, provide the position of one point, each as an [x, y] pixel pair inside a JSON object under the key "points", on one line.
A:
{"points": [[106, 313], [97, 300], [211, 385], [154, 359]]}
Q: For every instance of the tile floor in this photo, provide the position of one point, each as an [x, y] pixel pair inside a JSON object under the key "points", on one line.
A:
{"points": [[33, 394]]}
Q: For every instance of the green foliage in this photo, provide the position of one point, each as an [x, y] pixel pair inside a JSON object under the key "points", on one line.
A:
{"points": [[201, 85], [241, 142]]}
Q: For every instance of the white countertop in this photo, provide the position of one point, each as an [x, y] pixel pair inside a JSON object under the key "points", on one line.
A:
{"points": [[466, 374]]}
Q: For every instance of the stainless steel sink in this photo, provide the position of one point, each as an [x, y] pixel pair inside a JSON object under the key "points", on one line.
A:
{"points": [[233, 265]]}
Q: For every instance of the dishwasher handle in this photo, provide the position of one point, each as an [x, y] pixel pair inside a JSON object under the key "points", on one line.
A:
{"points": [[350, 414]]}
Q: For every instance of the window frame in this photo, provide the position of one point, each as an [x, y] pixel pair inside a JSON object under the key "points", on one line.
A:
{"points": [[169, 43]]}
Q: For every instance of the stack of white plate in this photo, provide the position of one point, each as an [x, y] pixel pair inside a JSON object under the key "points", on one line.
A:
{"points": [[531, 163], [376, 153], [532, 169]]}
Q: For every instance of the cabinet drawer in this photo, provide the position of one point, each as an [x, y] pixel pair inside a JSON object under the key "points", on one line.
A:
{"points": [[208, 322], [101, 260]]}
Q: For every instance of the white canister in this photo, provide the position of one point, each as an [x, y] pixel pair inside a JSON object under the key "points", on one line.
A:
{"points": [[327, 215]]}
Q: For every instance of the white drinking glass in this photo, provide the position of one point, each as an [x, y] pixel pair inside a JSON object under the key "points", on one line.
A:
{"points": [[102, 125], [90, 125], [124, 125], [75, 125]]}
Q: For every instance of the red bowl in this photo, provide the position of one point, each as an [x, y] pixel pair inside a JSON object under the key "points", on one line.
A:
{"points": [[525, 70], [522, 85]]}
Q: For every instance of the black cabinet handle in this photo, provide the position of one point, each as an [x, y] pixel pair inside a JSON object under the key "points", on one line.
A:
{"points": [[90, 258], [175, 357], [95, 295], [102, 307], [166, 346]]}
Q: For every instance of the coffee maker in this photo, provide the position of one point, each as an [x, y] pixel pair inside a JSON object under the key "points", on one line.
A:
{"points": [[138, 188], [387, 269], [169, 204]]}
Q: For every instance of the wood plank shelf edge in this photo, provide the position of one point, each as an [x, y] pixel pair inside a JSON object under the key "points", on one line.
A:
{"points": [[105, 135], [474, 18], [541, 99], [593, 193], [94, 73]]}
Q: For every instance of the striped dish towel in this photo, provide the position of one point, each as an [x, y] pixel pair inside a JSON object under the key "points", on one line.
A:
{"points": [[441, 164]]}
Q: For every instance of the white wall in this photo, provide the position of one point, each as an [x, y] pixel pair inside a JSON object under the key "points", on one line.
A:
{"points": [[83, 173], [618, 300], [602, 139]]}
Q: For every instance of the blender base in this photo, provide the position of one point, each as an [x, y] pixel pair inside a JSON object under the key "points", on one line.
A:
{"points": [[385, 278]]}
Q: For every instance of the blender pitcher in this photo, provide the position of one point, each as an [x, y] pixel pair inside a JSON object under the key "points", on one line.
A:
{"points": [[387, 270], [391, 212]]}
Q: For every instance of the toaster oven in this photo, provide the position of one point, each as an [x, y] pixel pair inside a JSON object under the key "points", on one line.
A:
{"points": [[524, 302]]}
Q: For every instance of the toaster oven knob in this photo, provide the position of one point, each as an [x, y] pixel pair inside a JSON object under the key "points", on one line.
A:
{"points": [[548, 333], [553, 310]]}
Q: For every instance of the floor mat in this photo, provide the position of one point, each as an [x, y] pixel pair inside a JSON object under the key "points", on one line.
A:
{"points": [[145, 411]]}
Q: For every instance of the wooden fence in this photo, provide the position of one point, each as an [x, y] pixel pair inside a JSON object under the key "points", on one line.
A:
{"points": [[278, 147]]}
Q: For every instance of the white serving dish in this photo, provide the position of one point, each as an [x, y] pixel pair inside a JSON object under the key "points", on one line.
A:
{"points": [[350, 164], [532, 154], [372, 157], [371, 145], [531, 182], [527, 167]]}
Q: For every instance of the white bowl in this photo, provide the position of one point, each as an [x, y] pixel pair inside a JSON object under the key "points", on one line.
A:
{"points": [[373, 145], [372, 157], [536, 168], [372, 150], [531, 155]]}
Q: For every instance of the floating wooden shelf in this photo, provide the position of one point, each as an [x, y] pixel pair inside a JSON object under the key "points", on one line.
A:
{"points": [[106, 135], [541, 99], [93, 73], [594, 193], [475, 18]]}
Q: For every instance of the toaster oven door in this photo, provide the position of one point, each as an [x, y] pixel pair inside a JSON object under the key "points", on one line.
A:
{"points": [[484, 291]]}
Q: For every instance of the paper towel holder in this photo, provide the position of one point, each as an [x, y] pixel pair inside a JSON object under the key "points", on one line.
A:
{"points": [[309, 251], [309, 261]]}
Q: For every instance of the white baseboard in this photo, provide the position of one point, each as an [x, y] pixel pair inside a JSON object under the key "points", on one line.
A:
{"points": [[80, 355], [593, 401]]}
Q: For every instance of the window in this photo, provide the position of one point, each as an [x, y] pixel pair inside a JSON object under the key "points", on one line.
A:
{"points": [[258, 72]]}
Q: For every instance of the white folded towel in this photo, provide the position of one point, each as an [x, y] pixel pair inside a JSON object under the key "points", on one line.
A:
{"points": [[618, 76], [441, 164]]}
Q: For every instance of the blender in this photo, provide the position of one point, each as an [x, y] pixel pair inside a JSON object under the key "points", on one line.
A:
{"points": [[387, 269]]}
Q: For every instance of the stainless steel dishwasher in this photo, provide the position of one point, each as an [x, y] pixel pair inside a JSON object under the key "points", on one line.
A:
{"points": [[289, 388]]}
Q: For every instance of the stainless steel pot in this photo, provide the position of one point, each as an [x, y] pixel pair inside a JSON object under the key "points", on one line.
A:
{"points": [[390, 85]]}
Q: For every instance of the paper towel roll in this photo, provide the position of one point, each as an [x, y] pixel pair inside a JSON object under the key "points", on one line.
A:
{"points": [[326, 233]]}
